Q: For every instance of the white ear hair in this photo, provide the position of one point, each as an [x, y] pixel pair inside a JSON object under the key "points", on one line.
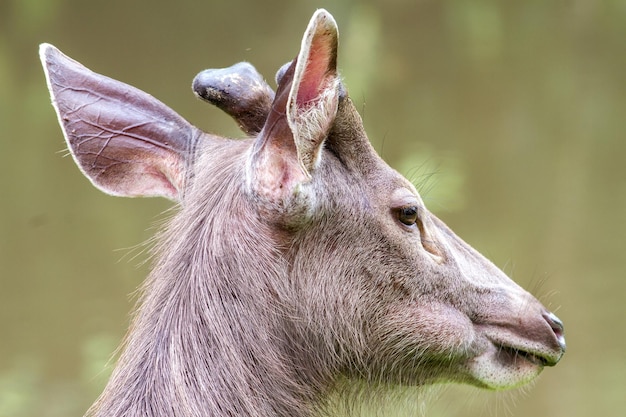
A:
{"points": [[314, 95], [314, 123]]}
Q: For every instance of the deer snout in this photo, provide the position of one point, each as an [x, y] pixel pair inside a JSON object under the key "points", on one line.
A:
{"points": [[528, 330], [543, 341], [521, 338]]}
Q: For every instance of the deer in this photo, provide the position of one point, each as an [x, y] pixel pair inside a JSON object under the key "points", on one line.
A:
{"points": [[297, 261]]}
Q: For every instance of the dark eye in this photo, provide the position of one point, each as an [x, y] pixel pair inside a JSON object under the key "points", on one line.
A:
{"points": [[408, 215]]}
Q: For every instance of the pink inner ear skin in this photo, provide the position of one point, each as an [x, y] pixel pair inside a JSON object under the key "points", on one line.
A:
{"points": [[317, 68]]}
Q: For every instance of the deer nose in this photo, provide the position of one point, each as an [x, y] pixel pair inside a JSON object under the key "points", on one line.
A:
{"points": [[557, 327]]}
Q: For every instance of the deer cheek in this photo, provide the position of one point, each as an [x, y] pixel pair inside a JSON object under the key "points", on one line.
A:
{"points": [[435, 328]]}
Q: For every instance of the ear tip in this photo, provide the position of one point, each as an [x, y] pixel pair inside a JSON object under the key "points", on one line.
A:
{"points": [[51, 57], [324, 21], [46, 52], [323, 15], [43, 47]]}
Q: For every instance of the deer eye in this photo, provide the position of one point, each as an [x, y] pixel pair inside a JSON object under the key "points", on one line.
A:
{"points": [[408, 215]]}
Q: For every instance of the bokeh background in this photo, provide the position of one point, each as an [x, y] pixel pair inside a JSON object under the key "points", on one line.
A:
{"points": [[509, 116]]}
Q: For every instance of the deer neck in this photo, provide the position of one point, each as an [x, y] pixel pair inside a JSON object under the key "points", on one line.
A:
{"points": [[205, 340]]}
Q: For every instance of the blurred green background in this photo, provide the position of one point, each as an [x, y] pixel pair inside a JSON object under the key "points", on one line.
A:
{"points": [[509, 116]]}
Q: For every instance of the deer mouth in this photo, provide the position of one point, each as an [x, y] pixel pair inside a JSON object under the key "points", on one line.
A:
{"points": [[501, 366], [508, 360], [513, 354]]}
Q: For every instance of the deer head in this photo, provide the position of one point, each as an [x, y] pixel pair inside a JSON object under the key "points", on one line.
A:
{"points": [[297, 257]]}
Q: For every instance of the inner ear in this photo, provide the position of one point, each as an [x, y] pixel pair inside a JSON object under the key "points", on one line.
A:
{"points": [[318, 72], [288, 149], [313, 97]]}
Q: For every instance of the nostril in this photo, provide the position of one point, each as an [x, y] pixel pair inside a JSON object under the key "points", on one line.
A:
{"points": [[557, 327]]}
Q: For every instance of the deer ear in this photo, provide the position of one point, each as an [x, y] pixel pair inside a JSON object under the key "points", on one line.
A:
{"points": [[288, 148], [124, 140]]}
